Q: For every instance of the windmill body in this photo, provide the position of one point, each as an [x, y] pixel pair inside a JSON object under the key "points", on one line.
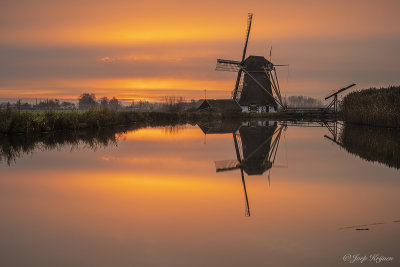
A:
{"points": [[253, 97]]}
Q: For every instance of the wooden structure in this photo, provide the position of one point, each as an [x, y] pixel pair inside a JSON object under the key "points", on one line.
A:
{"points": [[334, 103]]}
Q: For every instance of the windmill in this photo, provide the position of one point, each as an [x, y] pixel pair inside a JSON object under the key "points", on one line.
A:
{"points": [[256, 148], [256, 81]]}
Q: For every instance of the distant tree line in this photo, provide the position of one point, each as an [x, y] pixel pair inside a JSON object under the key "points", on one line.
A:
{"points": [[303, 102], [48, 104], [88, 101], [169, 103]]}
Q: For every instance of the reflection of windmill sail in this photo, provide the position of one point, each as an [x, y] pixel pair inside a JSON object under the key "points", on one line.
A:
{"points": [[245, 194], [241, 172]]}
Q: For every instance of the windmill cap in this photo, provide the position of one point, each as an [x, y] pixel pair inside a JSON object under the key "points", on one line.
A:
{"points": [[256, 62]]}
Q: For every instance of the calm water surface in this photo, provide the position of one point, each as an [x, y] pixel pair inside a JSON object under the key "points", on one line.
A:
{"points": [[154, 198]]}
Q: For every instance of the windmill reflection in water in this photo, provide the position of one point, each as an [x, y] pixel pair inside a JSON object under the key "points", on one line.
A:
{"points": [[256, 145]]}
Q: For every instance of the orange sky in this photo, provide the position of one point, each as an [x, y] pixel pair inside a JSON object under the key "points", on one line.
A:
{"points": [[150, 49]]}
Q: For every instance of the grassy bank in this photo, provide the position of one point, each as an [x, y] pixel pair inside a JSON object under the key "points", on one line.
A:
{"points": [[378, 107], [13, 121]]}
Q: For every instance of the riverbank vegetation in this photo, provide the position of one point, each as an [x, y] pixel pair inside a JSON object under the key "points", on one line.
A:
{"points": [[378, 107], [377, 144], [14, 121]]}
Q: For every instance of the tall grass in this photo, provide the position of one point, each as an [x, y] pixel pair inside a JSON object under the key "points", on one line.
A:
{"points": [[379, 107], [12, 121]]}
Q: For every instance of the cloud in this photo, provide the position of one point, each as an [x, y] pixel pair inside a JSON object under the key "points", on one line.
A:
{"points": [[315, 65], [107, 59]]}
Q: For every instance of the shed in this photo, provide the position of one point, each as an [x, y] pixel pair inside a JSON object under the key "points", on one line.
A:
{"points": [[219, 105], [223, 127]]}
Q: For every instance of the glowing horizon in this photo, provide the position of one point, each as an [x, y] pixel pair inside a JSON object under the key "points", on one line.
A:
{"points": [[149, 50]]}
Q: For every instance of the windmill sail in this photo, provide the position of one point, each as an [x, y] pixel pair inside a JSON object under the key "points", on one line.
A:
{"points": [[227, 65], [249, 19]]}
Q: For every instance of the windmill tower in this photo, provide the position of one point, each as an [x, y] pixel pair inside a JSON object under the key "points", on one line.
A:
{"points": [[257, 87]]}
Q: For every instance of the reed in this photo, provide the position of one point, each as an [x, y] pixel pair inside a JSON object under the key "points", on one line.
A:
{"points": [[13, 121], [378, 107], [377, 144]]}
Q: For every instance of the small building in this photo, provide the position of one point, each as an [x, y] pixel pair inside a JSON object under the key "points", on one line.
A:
{"points": [[219, 105], [224, 127]]}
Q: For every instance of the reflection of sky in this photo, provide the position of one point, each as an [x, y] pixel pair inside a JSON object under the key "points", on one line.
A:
{"points": [[155, 199]]}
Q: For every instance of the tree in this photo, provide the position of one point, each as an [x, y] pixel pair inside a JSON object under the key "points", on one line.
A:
{"points": [[303, 102], [104, 102], [87, 101], [174, 104], [18, 104], [114, 103]]}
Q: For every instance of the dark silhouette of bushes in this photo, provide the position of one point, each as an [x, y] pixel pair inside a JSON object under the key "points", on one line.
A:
{"points": [[373, 143], [76, 128], [379, 107], [12, 121]]}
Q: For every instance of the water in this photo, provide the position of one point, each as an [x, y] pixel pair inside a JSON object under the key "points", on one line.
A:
{"points": [[152, 197]]}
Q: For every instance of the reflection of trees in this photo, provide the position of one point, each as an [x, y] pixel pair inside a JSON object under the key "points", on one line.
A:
{"points": [[174, 129], [372, 143], [16, 146]]}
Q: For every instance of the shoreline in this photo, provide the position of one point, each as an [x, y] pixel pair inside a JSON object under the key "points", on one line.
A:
{"points": [[16, 122], [27, 121]]}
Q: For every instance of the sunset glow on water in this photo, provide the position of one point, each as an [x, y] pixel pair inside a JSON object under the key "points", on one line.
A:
{"points": [[155, 199]]}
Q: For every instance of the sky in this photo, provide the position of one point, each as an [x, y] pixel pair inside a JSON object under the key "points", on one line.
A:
{"points": [[151, 49]]}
